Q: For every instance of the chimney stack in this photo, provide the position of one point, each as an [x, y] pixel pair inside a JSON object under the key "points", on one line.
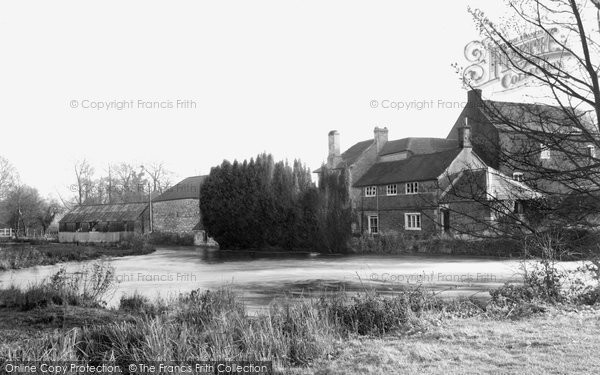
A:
{"points": [[464, 135], [334, 157], [380, 137], [474, 98]]}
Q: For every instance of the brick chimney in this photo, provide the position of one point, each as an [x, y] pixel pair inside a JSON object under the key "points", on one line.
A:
{"points": [[380, 137], [334, 157], [464, 135], [474, 98]]}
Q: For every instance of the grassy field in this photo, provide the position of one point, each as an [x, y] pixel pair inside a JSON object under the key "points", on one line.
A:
{"points": [[26, 255], [556, 342]]}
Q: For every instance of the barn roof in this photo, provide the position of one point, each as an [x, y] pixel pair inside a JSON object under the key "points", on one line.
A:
{"points": [[189, 188], [416, 168], [105, 212]]}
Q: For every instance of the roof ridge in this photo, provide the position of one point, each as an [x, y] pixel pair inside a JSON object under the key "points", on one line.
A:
{"points": [[535, 104], [422, 155], [109, 204]]}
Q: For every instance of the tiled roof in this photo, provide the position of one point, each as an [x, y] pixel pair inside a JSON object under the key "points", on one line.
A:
{"points": [[415, 145], [351, 155], [105, 212], [532, 116], [186, 189], [419, 145], [416, 168]]}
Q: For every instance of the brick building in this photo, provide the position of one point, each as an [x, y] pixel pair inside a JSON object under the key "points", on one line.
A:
{"points": [[359, 158], [177, 210], [434, 191], [519, 139], [424, 185]]}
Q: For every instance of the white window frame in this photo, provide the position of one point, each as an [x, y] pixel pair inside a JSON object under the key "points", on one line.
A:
{"points": [[591, 151], [391, 189], [518, 176], [411, 188], [371, 191], [518, 207], [416, 224], [544, 152], [376, 217]]}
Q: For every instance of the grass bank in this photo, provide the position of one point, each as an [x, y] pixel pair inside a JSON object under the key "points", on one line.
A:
{"points": [[23, 255], [531, 328], [559, 341]]}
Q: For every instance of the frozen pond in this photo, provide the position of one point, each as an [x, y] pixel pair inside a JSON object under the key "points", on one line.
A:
{"points": [[261, 277]]}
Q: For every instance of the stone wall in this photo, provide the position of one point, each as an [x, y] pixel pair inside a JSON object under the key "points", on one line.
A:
{"points": [[176, 216]]}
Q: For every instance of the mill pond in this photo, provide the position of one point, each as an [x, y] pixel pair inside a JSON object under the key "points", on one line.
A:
{"points": [[261, 277]]}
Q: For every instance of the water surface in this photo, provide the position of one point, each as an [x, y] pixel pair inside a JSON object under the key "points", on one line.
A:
{"points": [[261, 277]]}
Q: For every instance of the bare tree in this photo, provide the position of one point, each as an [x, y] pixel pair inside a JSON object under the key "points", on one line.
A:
{"points": [[549, 144], [160, 176], [123, 183], [8, 177], [46, 213], [84, 174], [21, 209], [129, 183]]}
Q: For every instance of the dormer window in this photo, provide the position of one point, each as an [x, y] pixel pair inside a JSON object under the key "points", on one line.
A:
{"points": [[518, 176], [591, 151], [412, 188], [370, 191], [544, 152], [392, 189]]}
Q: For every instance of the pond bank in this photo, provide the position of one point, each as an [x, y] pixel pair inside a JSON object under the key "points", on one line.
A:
{"points": [[410, 333], [25, 255]]}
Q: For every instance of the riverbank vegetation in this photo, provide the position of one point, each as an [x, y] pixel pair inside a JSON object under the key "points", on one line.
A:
{"points": [[566, 244], [22, 255], [263, 204], [305, 335]]}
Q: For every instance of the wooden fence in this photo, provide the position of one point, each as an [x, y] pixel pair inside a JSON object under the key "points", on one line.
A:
{"points": [[85, 237]]}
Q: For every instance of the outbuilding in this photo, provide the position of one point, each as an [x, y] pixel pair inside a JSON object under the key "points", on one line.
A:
{"points": [[104, 222]]}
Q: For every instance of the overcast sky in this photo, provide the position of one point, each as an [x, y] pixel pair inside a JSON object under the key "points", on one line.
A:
{"points": [[271, 76]]}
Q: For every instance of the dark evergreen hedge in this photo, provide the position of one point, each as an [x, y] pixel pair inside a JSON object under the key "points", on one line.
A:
{"points": [[262, 204]]}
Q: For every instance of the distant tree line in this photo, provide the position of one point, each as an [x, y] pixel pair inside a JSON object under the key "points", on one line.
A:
{"points": [[119, 183], [21, 206], [263, 204]]}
